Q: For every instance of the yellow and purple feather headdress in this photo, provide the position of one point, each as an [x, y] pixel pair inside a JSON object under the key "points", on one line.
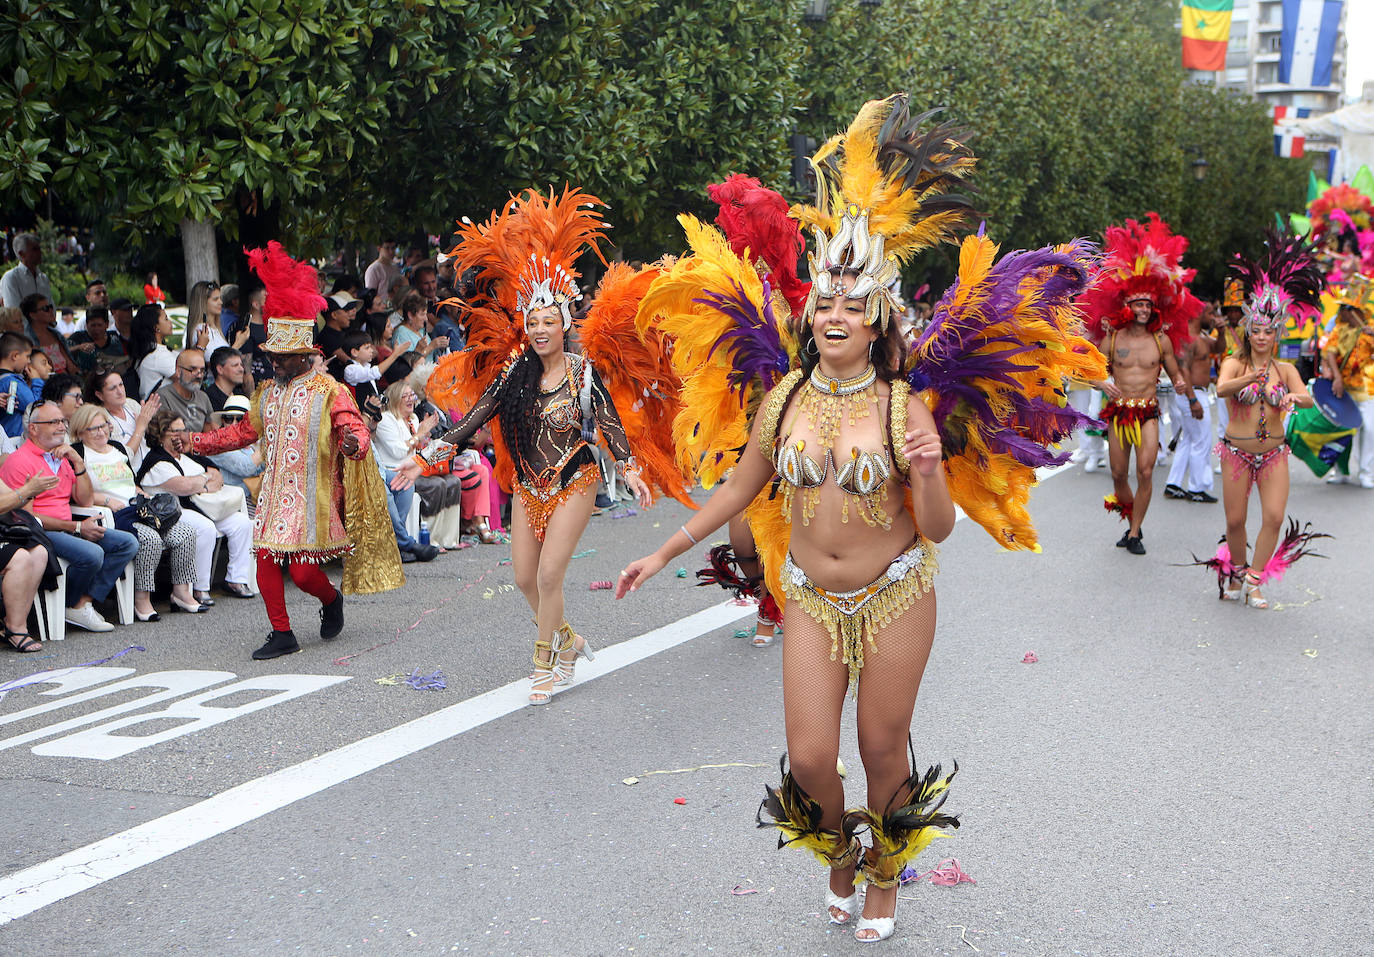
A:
{"points": [[885, 190]]}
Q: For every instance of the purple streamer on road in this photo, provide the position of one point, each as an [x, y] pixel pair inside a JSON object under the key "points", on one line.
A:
{"points": [[43, 677]]}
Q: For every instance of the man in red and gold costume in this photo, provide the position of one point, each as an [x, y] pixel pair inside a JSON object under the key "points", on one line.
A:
{"points": [[322, 495], [1140, 307]]}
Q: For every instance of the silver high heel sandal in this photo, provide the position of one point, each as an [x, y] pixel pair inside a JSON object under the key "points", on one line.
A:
{"points": [[564, 667], [1249, 594]]}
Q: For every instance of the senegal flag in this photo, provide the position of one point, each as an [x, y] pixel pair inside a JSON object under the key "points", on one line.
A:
{"points": [[1206, 30]]}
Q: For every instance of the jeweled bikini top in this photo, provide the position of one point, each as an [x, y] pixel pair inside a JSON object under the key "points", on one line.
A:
{"points": [[863, 473], [1273, 394]]}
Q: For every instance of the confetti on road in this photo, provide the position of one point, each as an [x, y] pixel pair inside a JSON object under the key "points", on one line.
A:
{"points": [[1029, 658], [947, 873], [740, 890], [431, 682], [43, 677], [402, 631], [584, 553], [1310, 652], [682, 573], [601, 586], [679, 800], [700, 767]]}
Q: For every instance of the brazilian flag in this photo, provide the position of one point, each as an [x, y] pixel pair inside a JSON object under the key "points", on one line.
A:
{"points": [[1319, 443]]}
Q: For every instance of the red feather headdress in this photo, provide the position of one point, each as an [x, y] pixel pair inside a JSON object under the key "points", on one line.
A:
{"points": [[1143, 261]]}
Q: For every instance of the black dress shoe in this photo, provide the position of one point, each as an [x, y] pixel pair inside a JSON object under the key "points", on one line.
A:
{"points": [[408, 557], [1202, 497], [1174, 491], [425, 553], [1135, 546], [278, 643], [331, 618]]}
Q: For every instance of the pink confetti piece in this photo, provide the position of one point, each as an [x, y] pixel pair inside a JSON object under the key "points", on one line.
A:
{"points": [[739, 890], [948, 873], [679, 800], [1029, 658], [600, 586]]}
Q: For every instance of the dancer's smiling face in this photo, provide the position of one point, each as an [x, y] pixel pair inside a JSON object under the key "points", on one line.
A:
{"points": [[838, 325], [545, 329]]}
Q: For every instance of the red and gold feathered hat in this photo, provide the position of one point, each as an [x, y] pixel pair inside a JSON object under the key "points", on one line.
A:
{"points": [[529, 249], [1144, 261], [293, 300]]}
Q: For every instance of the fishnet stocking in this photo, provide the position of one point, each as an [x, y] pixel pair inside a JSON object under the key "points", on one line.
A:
{"points": [[813, 691]]}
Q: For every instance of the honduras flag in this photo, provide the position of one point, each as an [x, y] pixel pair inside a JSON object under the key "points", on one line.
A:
{"points": [[1308, 41]]}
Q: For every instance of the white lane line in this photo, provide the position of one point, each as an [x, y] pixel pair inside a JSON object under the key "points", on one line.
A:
{"points": [[24, 892], [42, 884]]}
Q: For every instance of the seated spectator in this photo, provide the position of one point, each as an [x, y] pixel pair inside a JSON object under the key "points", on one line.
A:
{"points": [[26, 559], [168, 468], [411, 333], [41, 317], [65, 390], [15, 393], [112, 479], [391, 448], [229, 376], [400, 434], [241, 467], [342, 309], [148, 349], [96, 555], [363, 375], [184, 393], [38, 369], [98, 348], [67, 323], [130, 420], [12, 320]]}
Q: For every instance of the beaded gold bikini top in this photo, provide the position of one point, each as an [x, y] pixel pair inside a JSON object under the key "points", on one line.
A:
{"points": [[864, 474]]}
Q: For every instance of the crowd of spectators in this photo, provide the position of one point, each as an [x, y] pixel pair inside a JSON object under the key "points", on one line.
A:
{"points": [[96, 406]]}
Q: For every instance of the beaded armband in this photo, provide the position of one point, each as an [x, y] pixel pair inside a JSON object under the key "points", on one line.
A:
{"points": [[627, 467], [897, 403]]}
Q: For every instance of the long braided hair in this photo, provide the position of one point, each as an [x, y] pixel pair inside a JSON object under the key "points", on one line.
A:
{"points": [[518, 405]]}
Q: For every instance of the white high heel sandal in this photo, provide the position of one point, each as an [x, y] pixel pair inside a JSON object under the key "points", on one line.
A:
{"points": [[1248, 593], [850, 905], [883, 925]]}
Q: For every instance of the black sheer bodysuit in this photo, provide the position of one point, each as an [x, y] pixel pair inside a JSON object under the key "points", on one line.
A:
{"points": [[557, 460]]}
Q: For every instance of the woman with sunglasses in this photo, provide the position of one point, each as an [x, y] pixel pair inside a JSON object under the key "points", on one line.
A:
{"points": [[112, 479], [41, 317]]}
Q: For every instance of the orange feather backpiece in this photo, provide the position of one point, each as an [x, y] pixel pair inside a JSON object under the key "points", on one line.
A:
{"points": [[637, 375]]}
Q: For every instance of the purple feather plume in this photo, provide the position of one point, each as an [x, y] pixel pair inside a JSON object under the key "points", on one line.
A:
{"points": [[753, 342]]}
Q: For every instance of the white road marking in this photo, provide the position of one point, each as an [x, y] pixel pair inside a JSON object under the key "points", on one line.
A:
{"points": [[32, 888]]}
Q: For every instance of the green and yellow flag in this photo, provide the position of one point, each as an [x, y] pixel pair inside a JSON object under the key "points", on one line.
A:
{"points": [[1206, 30]]}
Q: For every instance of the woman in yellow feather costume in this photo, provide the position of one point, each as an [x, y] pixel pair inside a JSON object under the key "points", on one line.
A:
{"points": [[550, 404], [855, 461]]}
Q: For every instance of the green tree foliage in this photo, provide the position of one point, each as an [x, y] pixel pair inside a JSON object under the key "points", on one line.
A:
{"points": [[354, 119]]}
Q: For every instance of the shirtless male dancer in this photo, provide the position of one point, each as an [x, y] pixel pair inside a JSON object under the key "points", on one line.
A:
{"points": [[1191, 474], [1134, 358]]}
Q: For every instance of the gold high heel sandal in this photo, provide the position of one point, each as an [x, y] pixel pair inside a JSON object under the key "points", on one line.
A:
{"points": [[568, 653]]}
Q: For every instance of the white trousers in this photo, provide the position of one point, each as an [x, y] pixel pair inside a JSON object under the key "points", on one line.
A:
{"points": [[1089, 402], [1366, 437], [1192, 468], [238, 535]]}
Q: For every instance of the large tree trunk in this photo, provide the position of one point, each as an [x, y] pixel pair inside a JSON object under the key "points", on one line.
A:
{"points": [[198, 246]]}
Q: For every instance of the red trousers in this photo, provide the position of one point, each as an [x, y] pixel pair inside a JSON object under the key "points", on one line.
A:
{"points": [[308, 576]]}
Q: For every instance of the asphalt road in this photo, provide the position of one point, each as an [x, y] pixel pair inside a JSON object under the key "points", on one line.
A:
{"points": [[1174, 775]]}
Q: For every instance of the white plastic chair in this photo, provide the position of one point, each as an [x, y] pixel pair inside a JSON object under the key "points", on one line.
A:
{"points": [[124, 586]]}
